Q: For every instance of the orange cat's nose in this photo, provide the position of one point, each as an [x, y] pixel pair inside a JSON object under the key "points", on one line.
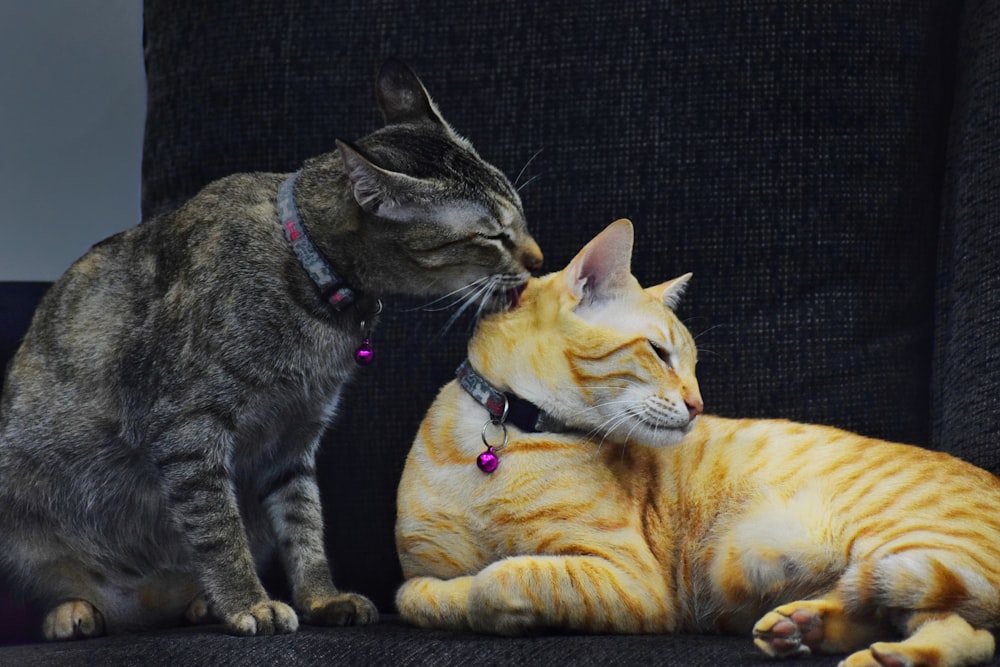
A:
{"points": [[694, 407]]}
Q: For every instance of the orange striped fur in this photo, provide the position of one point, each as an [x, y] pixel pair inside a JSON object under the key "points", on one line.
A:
{"points": [[646, 517]]}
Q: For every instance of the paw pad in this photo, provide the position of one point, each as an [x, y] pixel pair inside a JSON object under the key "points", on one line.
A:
{"points": [[784, 633]]}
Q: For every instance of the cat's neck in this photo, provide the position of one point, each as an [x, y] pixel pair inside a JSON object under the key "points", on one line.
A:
{"points": [[357, 252], [332, 218], [507, 407], [334, 289]]}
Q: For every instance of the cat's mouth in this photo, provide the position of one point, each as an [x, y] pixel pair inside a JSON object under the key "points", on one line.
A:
{"points": [[514, 294]]}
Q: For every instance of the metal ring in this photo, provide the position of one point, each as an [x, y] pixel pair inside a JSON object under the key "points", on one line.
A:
{"points": [[503, 427], [503, 416], [378, 309]]}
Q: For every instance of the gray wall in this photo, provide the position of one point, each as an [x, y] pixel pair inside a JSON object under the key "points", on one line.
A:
{"points": [[72, 101]]}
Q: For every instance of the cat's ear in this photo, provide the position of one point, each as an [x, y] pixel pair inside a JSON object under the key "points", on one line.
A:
{"points": [[603, 268], [375, 188], [402, 97], [670, 292]]}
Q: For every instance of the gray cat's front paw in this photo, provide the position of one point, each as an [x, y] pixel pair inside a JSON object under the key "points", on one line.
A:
{"points": [[340, 609], [264, 618], [75, 619]]}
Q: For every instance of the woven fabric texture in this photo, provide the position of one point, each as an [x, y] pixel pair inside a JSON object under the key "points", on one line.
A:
{"points": [[966, 402], [393, 644], [786, 153], [828, 170]]}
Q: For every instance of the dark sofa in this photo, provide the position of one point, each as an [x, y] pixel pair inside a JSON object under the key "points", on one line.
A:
{"points": [[828, 169]]}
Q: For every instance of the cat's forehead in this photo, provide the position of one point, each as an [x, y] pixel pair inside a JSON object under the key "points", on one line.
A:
{"points": [[430, 152], [459, 172], [492, 213], [637, 314]]}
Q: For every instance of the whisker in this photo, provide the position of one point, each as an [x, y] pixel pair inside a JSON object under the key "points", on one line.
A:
{"points": [[705, 331], [470, 299], [628, 436], [605, 404], [528, 182], [611, 424], [465, 304], [526, 165], [487, 297], [626, 415], [462, 293]]}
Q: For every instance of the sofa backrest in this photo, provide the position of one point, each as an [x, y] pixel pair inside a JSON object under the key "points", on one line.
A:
{"points": [[17, 304], [789, 154]]}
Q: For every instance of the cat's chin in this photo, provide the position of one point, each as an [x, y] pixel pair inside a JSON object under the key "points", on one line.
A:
{"points": [[667, 438], [661, 436]]}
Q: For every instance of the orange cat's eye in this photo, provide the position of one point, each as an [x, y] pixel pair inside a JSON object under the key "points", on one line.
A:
{"points": [[661, 352]]}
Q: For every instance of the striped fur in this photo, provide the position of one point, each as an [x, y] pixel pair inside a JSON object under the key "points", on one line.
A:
{"points": [[813, 539], [160, 422]]}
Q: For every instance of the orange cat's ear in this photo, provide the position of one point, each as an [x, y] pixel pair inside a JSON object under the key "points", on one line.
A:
{"points": [[670, 292], [604, 266]]}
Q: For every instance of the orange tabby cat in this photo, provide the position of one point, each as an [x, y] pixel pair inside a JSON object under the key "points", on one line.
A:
{"points": [[589, 521]]}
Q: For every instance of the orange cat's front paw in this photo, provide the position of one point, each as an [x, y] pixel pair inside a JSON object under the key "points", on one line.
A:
{"points": [[435, 603], [788, 632]]}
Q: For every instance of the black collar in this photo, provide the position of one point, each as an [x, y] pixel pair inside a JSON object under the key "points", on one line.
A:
{"points": [[505, 407], [333, 288]]}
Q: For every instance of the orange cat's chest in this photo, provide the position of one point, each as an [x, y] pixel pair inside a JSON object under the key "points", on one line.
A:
{"points": [[550, 497]]}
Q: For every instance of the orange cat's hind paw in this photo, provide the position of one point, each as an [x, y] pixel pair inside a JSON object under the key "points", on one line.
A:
{"points": [[873, 658], [891, 655], [937, 640], [787, 632]]}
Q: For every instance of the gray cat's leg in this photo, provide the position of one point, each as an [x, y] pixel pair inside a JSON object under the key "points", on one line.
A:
{"points": [[193, 465], [38, 557], [71, 594], [75, 619], [84, 552], [198, 611], [291, 499]]}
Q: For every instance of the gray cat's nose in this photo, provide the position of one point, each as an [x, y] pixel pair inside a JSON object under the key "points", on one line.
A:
{"points": [[531, 255]]}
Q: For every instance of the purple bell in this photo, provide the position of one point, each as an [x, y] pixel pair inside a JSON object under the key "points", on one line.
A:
{"points": [[487, 461], [364, 355]]}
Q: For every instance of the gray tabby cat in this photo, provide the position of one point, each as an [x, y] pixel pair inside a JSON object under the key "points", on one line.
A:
{"points": [[159, 424]]}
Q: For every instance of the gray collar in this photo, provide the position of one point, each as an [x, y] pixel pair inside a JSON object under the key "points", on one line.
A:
{"points": [[333, 288], [505, 407]]}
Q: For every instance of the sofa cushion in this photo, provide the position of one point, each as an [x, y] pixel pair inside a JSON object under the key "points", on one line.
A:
{"points": [[394, 644]]}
